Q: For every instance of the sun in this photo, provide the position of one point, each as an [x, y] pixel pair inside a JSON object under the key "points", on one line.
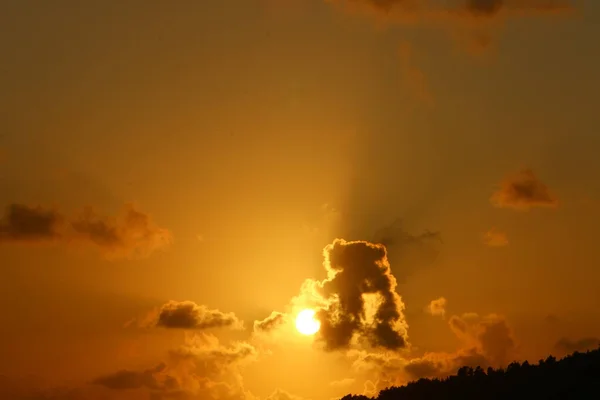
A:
{"points": [[306, 322]]}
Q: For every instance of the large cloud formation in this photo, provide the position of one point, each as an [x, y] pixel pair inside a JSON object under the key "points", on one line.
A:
{"points": [[202, 368], [486, 341], [361, 299], [523, 191], [132, 234], [490, 336]]}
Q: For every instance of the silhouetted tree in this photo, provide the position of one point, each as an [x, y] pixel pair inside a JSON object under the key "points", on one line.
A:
{"points": [[576, 376]]}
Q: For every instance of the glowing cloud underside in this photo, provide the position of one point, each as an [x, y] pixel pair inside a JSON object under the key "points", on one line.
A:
{"points": [[306, 322]]}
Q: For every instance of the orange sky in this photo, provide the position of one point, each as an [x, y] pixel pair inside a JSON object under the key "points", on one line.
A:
{"points": [[173, 176]]}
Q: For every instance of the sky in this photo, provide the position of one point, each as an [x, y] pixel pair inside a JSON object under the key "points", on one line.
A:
{"points": [[178, 180]]}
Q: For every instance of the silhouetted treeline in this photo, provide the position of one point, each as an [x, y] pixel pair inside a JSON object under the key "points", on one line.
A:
{"points": [[576, 376]]}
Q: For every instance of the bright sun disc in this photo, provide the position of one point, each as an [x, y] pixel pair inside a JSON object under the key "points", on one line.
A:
{"points": [[306, 322]]}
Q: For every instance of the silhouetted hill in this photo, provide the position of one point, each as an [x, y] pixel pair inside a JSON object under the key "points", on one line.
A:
{"points": [[576, 376]]}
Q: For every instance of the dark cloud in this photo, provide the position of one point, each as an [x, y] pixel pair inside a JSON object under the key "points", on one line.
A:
{"points": [[470, 358], [22, 223], [423, 369], [523, 191], [409, 10], [491, 336], [486, 341], [132, 235], [125, 379], [357, 269], [583, 344], [208, 369], [440, 365], [202, 368], [484, 7], [394, 235], [189, 315], [393, 369], [551, 319], [497, 342], [32, 388], [271, 322], [472, 22], [408, 252], [458, 325]]}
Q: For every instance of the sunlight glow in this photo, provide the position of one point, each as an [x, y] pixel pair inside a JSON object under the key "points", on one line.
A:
{"points": [[306, 322]]}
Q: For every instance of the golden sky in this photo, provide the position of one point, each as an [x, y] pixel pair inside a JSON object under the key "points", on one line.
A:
{"points": [[179, 179]]}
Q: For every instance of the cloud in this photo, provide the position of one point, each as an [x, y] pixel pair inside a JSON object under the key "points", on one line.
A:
{"points": [[394, 369], [522, 191], [214, 357], [273, 321], [495, 238], [413, 11], [423, 369], [437, 307], [126, 379], [491, 336], [551, 319], [282, 395], [385, 367], [484, 6], [486, 341], [202, 368], [569, 346], [407, 252], [342, 382], [131, 235], [189, 315], [394, 235], [469, 21], [357, 304], [209, 369], [361, 298], [23, 223], [433, 365], [29, 389]]}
